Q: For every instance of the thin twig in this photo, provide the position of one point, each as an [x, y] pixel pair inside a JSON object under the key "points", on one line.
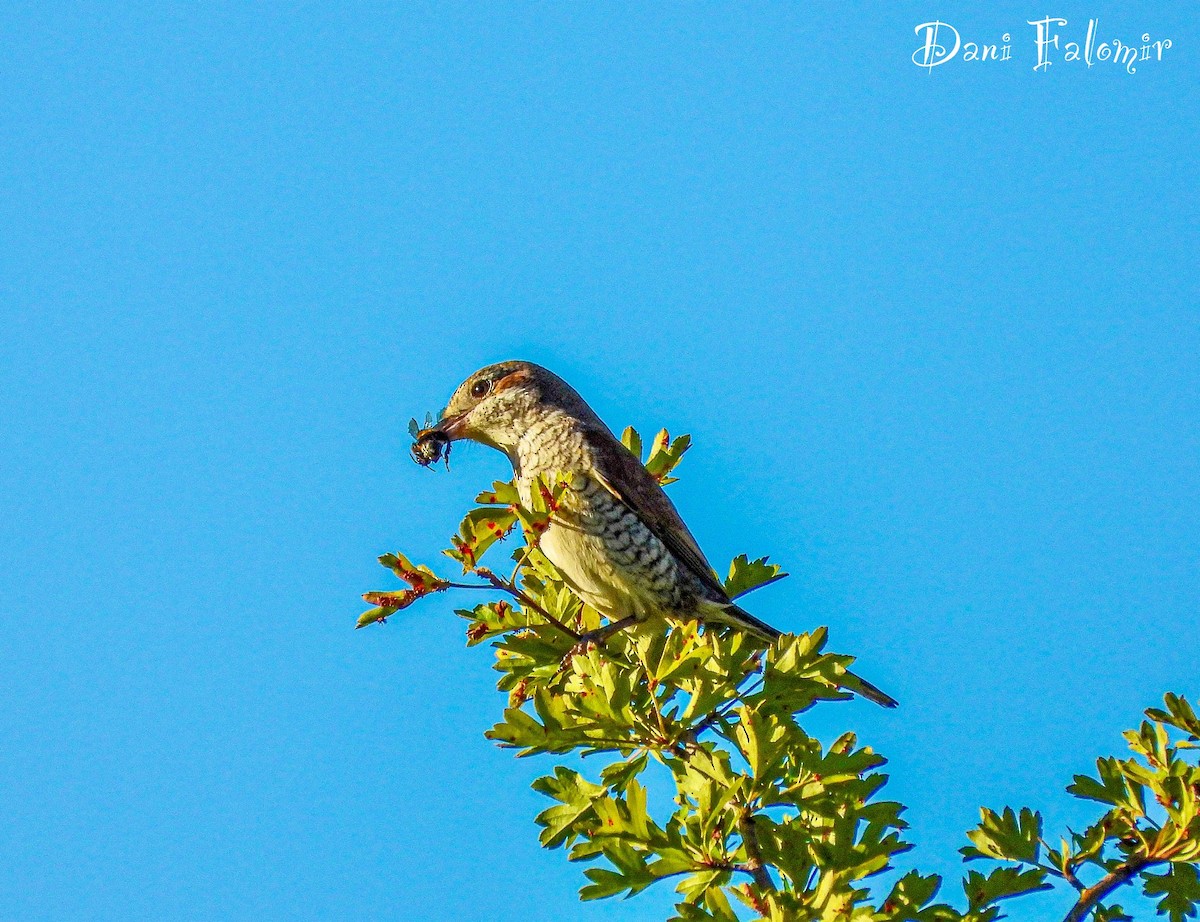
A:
{"points": [[731, 866], [724, 708], [495, 582], [652, 688], [512, 580]]}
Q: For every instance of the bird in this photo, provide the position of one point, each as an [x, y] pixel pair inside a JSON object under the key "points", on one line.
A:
{"points": [[617, 539]]}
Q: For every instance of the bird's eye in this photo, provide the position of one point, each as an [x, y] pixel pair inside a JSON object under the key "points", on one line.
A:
{"points": [[480, 388]]}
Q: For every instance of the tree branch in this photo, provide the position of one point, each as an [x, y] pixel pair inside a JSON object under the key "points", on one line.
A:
{"points": [[1092, 895], [754, 859], [1068, 874]]}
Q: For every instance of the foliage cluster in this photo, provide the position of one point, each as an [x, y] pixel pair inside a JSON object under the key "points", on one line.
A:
{"points": [[766, 821]]}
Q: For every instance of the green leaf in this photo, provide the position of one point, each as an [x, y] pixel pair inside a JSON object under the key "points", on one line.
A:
{"points": [[1179, 714], [716, 901], [479, 530], [502, 493], [562, 824], [672, 861], [631, 440], [1002, 884], [618, 775], [604, 883], [635, 802], [421, 580], [911, 895], [519, 731], [631, 873], [491, 618], [419, 576], [1179, 888], [746, 575], [694, 885], [545, 498], [691, 912], [1005, 836], [1113, 787], [665, 455], [374, 615]]}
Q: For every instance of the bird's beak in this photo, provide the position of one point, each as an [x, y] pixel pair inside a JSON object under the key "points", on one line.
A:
{"points": [[451, 428]]}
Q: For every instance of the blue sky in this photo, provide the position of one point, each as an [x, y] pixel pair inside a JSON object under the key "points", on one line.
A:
{"points": [[935, 336]]}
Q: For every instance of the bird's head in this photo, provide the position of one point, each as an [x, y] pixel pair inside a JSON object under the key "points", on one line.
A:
{"points": [[498, 403]]}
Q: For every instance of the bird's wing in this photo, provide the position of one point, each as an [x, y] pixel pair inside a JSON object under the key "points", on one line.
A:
{"points": [[624, 476]]}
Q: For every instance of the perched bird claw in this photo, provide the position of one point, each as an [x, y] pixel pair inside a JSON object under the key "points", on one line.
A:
{"points": [[582, 647], [590, 640], [579, 648]]}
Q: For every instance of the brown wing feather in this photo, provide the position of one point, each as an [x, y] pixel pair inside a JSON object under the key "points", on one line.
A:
{"points": [[624, 476]]}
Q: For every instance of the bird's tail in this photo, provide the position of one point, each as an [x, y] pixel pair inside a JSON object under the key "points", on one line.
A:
{"points": [[861, 686], [740, 618]]}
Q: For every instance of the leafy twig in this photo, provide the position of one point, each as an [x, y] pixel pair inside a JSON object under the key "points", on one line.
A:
{"points": [[495, 582]]}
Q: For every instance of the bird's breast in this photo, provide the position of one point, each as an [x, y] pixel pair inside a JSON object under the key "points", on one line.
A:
{"points": [[550, 444], [610, 557]]}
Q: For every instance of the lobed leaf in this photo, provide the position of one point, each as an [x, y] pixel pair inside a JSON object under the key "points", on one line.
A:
{"points": [[1179, 888], [665, 455], [746, 575]]}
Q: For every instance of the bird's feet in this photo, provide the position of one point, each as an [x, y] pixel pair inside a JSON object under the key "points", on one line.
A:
{"points": [[597, 637]]}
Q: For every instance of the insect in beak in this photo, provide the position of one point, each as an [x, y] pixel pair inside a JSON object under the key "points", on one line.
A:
{"points": [[433, 443], [430, 447]]}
